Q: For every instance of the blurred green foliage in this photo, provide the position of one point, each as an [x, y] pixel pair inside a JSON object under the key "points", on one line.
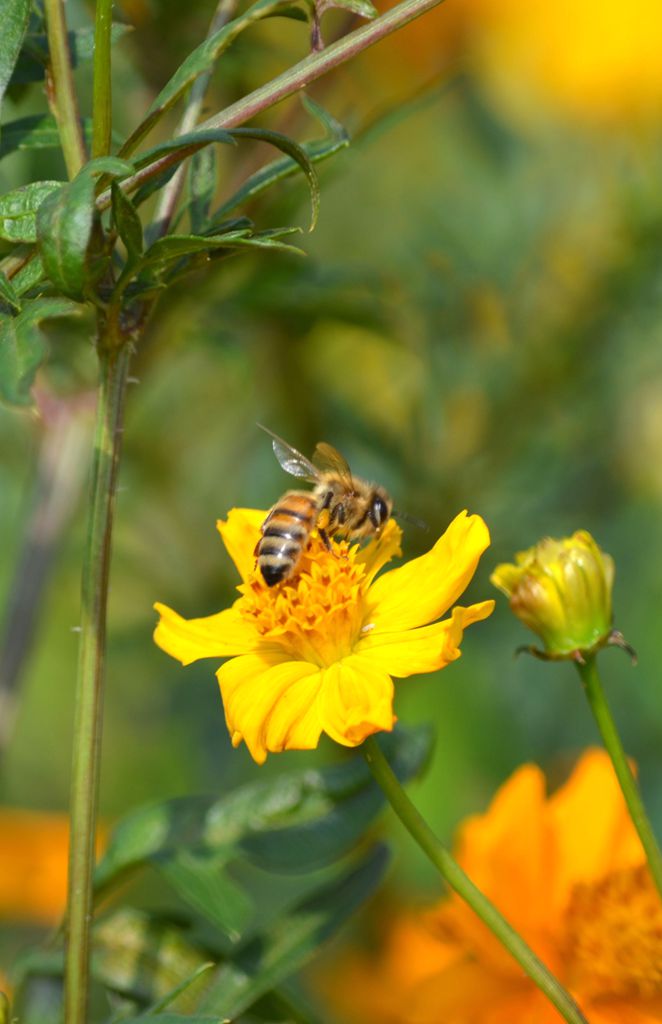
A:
{"points": [[478, 324]]}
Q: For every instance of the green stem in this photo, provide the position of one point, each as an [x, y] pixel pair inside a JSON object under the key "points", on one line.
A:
{"points": [[102, 87], [114, 364], [286, 84], [453, 874], [60, 87], [612, 741]]}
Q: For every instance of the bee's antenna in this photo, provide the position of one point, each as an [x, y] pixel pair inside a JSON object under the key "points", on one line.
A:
{"points": [[412, 520]]}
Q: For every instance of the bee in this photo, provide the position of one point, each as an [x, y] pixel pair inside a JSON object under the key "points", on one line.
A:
{"points": [[339, 505]]}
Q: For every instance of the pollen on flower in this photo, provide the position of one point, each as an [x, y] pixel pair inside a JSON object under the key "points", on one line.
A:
{"points": [[614, 935], [318, 612]]}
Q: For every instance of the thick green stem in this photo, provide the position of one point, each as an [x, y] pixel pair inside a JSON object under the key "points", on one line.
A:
{"points": [[290, 82], [102, 88], [612, 741], [61, 92], [114, 364], [453, 874]]}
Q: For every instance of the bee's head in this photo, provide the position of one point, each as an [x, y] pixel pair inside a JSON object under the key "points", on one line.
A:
{"points": [[380, 509]]}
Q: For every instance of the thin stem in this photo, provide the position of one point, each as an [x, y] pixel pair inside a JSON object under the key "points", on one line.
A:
{"points": [[61, 92], [102, 87], [612, 741], [114, 364], [286, 84], [453, 874], [172, 190]]}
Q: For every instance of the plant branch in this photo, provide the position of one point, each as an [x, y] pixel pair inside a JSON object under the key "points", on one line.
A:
{"points": [[286, 84], [453, 874], [171, 192], [114, 362], [61, 91], [612, 741], [102, 87]]}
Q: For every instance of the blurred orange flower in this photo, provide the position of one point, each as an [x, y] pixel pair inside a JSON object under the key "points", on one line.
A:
{"points": [[34, 850], [568, 871]]}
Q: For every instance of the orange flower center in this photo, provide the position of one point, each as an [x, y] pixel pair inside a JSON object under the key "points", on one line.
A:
{"points": [[316, 614], [614, 935]]}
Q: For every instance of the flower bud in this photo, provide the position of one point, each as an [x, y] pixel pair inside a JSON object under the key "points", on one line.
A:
{"points": [[561, 589]]}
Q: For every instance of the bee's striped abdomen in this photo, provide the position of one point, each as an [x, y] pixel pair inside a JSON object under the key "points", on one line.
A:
{"points": [[285, 534]]}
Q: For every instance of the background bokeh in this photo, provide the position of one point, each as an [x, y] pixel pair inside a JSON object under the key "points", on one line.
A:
{"points": [[478, 324]]}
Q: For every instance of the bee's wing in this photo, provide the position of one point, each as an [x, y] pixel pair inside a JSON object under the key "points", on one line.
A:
{"points": [[326, 457], [290, 459]]}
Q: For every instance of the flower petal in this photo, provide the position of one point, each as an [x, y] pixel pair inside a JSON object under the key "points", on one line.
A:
{"points": [[423, 589], [426, 649], [240, 533], [270, 702], [380, 550], [356, 700], [216, 636]]}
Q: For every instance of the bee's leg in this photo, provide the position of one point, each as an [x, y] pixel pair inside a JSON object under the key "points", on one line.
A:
{"points": [[324, 537]]}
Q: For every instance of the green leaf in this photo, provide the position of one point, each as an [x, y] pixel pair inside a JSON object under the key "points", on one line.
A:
{"points": [[199, 877], [293, 150], [174, 1018], [179, 990], [37, 132], [65, 222], [184, 141], [364, 8], [23, 347], [8, 292], [30, 274], [281, 169], [232, 825], [202, 186], [292, 940], [18, 210], [33, 60], [15, 14], [127, 221], [145, 958], [200, 60]]}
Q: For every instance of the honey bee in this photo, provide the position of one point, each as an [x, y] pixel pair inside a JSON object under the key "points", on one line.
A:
{"points": [[339, 505]]}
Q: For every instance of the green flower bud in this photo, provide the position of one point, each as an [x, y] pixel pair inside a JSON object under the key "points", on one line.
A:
{"points": [[561, 589]]}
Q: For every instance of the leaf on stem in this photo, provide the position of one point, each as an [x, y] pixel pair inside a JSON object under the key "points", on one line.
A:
{"points": [[23, 347], [39, 131], [15, 14], [65, 222], [8, 293], [200, 60], [33, 59], [127, 222], [293, 150], [202, 187], [18, 210]]}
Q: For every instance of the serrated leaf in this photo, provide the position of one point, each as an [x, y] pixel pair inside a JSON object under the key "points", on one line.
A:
{"points": [[32, 62], [37, 132], [127, 221], [23, 347], [15, 15], [18, 210], [288, 944], [293, 150], [200, 60], [8, 292], [202, 186], [65, 221]]}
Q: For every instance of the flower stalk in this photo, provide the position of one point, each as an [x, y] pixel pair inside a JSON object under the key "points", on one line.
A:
{"points": [[61, 91], [114, 363], [593, 688], [102, 85], [453, 874]]}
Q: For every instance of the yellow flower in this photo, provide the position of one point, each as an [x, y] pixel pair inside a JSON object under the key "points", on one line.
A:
{"points": [[561, 589], [569, 872], [317, 653]]}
